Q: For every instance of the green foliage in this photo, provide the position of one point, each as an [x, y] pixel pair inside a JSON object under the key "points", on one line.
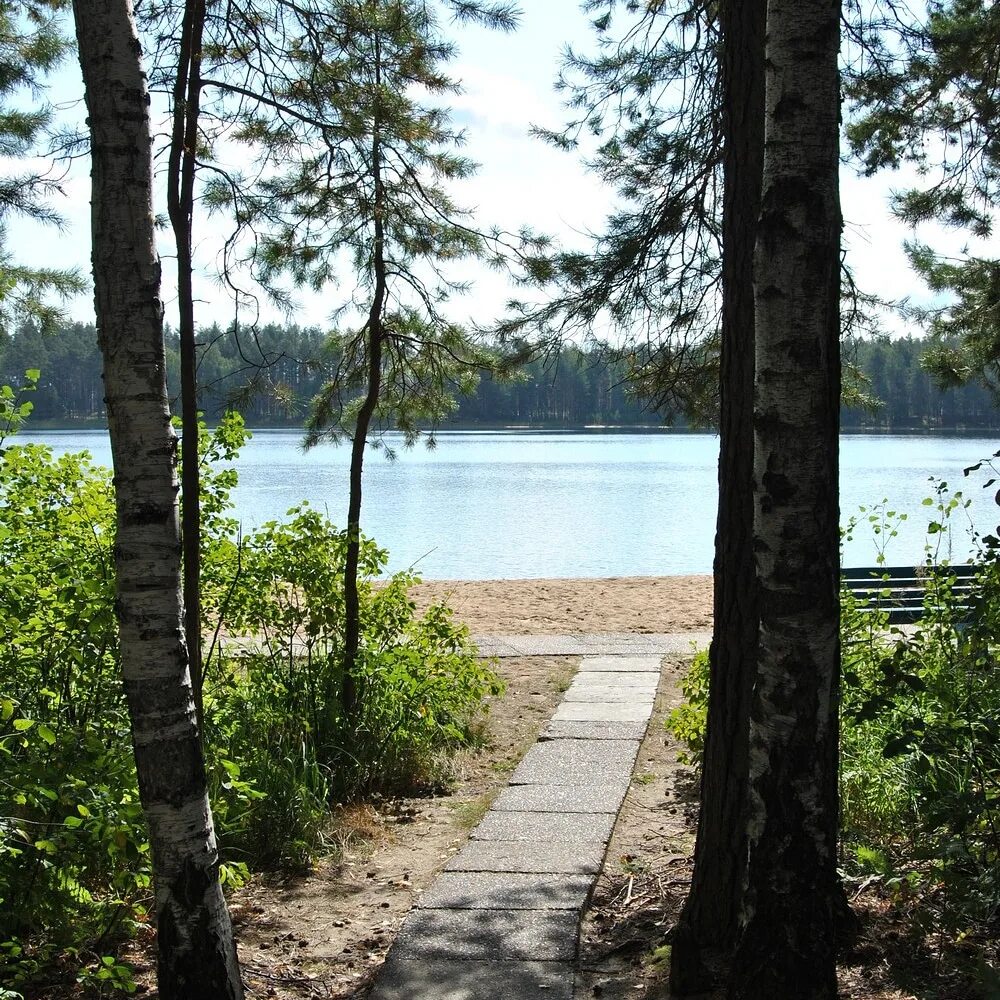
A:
{"points": [[31, 45], [920, 736], [14, 409], [73, 866], [276, 719], [688, 721], [931, 103], [920, 772], [74, 871]]}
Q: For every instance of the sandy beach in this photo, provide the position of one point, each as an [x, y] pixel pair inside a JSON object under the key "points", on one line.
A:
{"points": [[556, 607]]}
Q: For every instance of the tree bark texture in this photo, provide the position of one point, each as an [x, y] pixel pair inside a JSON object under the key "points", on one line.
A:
{"points": [[197, 956], [787, 941], [706, 932]]}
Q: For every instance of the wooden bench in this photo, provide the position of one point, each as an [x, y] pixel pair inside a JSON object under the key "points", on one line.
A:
{"points": [[898, 591]]}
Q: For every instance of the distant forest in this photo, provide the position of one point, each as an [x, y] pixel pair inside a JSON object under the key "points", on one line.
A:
{"points": [[579, 387]]}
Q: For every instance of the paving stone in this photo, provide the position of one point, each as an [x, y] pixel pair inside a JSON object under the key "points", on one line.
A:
{"points": [[577, 711], [611, 644], [501, 935], [546, 645], [603, 695], [577, 762], [567, 857], [448, 979], [544, 827], [568, 730], [495, 646], [632, 643], [506, 891], [630, 680], [621, 664], [604, 798]]}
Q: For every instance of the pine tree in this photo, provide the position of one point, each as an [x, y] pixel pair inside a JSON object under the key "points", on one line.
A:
{"points": [[375, 202]]}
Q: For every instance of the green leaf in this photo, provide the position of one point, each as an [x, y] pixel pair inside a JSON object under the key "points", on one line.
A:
{"points": [[23, 725], [46, 734]]}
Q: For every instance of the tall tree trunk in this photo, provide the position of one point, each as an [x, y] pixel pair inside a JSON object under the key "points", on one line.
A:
{"points": [[180, 207], [706, 933], [197, 956], [787, 943], [375, 337]]}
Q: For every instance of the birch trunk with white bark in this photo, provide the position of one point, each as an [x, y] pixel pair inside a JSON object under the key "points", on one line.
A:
{"points": [[197, 956], [787, 942]]}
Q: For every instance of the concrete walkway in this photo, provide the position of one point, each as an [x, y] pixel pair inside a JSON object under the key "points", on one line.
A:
{"points": [[502, 921], [601, 644]]}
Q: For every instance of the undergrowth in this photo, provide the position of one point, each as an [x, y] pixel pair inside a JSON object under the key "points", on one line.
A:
{"points": [[920, 750], [75, 875]]}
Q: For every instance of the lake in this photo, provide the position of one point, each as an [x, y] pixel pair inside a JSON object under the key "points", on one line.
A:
{"points": [[514, 504]]}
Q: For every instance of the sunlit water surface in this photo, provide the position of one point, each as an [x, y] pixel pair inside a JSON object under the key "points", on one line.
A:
{"points": [[509, 504]]}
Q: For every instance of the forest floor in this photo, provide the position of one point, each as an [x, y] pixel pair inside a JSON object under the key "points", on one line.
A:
{"points": [[324, 933]]}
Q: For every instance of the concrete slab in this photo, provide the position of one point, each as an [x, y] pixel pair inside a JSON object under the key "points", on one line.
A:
{"points": [[616, 643], [578, 762], [601, 694], [544, 827], [500, 935], [567, 857], [568, 730], [506, 891], [576, 711], [448, 979], [626, 643], [621, 664], [491, 646], [546, 645], [627, 680], [605, 798]]}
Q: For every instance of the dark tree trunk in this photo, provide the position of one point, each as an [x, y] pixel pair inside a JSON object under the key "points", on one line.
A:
{"points": [[787, 942], [197, 956], [706, 932], [375, 336], [180, 206]]}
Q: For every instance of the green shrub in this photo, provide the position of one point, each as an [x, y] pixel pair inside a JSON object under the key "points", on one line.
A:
{"points": [[687, 722], [74, 867], [920, 748], [276, 715]]}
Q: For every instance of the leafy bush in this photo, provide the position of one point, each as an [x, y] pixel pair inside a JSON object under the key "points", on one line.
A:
{"points": [[920, 736], [920, 752], [72, 844], [74, 871], [688, 721], [275, 716]]}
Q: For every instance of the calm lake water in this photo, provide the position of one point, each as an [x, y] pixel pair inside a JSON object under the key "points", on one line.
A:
{"points": [[510, 504]]}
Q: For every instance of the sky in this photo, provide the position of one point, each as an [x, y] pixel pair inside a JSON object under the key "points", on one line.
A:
{"points": [[508, 87]]}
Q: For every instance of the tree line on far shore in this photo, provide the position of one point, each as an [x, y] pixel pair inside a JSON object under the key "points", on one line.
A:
{"points": [[271, 374]]}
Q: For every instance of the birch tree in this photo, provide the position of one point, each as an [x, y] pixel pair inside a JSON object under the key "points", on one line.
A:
{"points": [[197, 956], [786, 946]]}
